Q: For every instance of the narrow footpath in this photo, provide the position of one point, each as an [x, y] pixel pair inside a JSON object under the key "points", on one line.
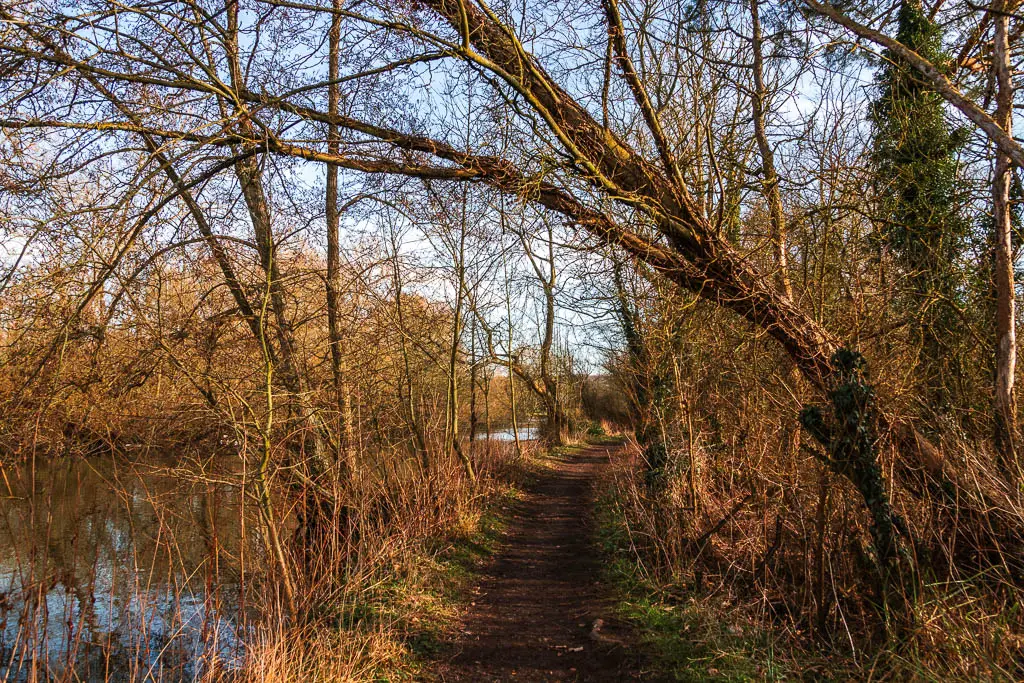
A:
{"points": [[540, 612]]}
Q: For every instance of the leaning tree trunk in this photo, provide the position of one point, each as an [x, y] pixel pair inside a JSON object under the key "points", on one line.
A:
{"points": [[687, 248], [695, 255]]}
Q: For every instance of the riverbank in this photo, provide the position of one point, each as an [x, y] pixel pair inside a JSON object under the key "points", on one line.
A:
{"points": [[118, 570]]}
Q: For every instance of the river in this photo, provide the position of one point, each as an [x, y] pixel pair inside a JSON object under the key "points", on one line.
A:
{"points": [[130, 571], [110, 570]]}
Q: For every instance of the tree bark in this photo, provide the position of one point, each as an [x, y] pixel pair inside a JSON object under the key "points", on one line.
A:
{"points": [[1006, 340], [333, 285], [406, 390], [769, 176], [452, 442], [513, 407], [770, 187], [250, 179], [556, 421]]}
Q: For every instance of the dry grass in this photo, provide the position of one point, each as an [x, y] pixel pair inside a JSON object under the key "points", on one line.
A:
{"points": [[390, 605], [741, 575]]}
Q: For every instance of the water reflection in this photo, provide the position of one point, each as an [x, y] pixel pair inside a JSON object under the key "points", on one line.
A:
{"points": [[529, 433], [115, 571]]}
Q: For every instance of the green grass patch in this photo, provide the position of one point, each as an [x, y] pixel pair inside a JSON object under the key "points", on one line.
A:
{"points": [[606, 439]]}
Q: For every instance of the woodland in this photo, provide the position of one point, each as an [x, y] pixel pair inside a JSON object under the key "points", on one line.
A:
{"points": [[341, 274]]}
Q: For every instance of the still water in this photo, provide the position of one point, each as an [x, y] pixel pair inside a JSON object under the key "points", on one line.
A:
{"points": [[125, 572], [118, 571], [507, 434]]}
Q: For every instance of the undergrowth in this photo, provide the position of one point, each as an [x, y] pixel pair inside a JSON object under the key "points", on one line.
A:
{"points": [[695, 625], [394, 613], [682, 634]]}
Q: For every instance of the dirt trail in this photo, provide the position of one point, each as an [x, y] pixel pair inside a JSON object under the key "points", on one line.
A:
{"points": [[540, 612]]}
